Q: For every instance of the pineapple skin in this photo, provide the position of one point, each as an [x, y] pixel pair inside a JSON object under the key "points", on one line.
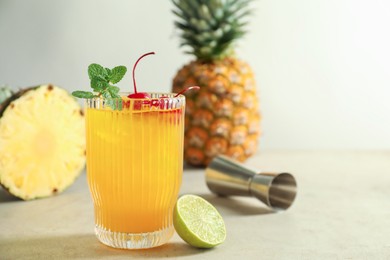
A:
{"points": [[223, 116], [42, 142]]}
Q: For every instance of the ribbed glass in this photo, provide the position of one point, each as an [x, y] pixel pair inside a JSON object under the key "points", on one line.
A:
{"points": [[134, 167]]}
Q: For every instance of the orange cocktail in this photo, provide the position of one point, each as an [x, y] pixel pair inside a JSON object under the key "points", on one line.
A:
{"points": [[134, 168]]}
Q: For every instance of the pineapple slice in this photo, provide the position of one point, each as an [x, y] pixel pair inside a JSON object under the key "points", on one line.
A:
{"points": [[42, 142]]}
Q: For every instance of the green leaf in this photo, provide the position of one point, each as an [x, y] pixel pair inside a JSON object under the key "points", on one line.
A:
{"points": [[83, 94], [106, 95], [113, 90], [98, 84], [115, 104], [112, 100], [117, 74], [108, 72], [5, 93], [96, 70]]}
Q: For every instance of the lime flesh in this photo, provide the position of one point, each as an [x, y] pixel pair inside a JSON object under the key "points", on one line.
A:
{"points": [[198, 223]]}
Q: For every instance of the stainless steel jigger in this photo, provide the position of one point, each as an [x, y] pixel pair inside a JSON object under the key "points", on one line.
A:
{"points": [[225, 176]]}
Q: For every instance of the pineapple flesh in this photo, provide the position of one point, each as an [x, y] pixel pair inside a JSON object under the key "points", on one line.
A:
{"points": [[42, 142], [223, 116]]}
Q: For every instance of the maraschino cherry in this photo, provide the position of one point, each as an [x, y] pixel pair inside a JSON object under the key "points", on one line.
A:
{"points": [[143, 95], [140, 95]]}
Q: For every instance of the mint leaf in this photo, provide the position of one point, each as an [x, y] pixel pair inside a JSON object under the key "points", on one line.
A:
{"points": [[96, 70], [115, 104], [117, 74], [113, 90], [98, 84], [83, 94], [108, 72], [112, 100], [106, 95]]}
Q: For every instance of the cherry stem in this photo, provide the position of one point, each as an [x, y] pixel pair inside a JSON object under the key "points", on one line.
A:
{"points": [[135, 65], [186, 89]]}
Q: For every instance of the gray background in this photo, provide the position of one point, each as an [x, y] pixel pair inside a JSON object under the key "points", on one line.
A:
{"points": [[322, 67]]}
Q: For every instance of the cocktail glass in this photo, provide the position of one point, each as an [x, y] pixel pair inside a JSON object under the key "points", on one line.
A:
{"points": [[134, 167]]}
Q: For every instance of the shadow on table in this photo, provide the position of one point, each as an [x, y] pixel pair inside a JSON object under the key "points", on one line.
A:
{"points": [[237, 206], [5, 196], [85, 246]]}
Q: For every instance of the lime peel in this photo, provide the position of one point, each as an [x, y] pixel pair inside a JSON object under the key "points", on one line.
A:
{"points": [[198, 222]]}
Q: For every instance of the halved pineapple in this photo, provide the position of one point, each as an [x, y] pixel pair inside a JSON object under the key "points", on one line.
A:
{"points": [[42, 142]]}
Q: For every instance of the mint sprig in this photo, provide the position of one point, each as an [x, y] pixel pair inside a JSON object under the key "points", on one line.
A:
{"points": [[102, 80], [83, 94]]}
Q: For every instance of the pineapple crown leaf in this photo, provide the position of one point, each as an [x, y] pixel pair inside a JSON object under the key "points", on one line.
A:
{"points": [[210, 28], [5, 93]]}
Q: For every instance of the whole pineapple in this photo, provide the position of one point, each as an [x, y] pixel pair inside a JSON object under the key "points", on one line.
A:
{"points": [[223, 116]]}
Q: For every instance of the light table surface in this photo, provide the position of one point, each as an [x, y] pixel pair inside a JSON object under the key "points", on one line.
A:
{"points": [[342, 211]]}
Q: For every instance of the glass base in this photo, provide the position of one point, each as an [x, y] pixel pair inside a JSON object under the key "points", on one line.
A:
{"points": [[133, 240]]}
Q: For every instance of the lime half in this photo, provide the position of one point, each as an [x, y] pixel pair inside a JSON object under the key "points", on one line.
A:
{"points": [[197, 222]]}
